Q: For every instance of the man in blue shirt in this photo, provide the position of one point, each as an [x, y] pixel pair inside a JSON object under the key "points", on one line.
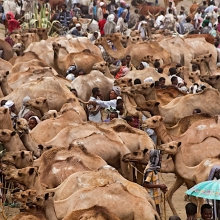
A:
{"points": [[64, 17]]}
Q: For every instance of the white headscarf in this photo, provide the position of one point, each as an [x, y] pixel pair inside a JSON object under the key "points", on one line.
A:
{"points": [[149, 79], [111, 18], [24, 109], [37, 119], [145, 64], [8, 104]]}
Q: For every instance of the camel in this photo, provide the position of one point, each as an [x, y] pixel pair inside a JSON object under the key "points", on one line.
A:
{"points": [[115, 39], [145, 73], [5, 119], [184, 106], [57, 164], [202, 47], [74, 58], [50, 114], [184, 72], [112, 196], [7, 50], [6, 89], [103, 67], [11, 140], [19, 159], [5, 65], [212, 80], [195, 76], [84, 85], [24, 196], [29, 75], [99, 137], [134, 51], [95, 212], [123, 82], [48, 87]]}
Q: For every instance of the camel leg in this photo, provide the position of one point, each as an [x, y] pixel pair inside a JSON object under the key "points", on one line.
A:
{"points": [[179, 181]]}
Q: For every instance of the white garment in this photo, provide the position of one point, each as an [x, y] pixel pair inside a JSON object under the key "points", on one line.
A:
{"points": [[158, 21], [210, 8], [180, 80], [107, 104], [9, 5], [95, 118], [121, 25], [169, 18], [181, 17], [141, 29]]}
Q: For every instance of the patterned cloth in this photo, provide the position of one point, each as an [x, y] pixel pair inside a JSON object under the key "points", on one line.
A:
{"points": [[154, 193]]}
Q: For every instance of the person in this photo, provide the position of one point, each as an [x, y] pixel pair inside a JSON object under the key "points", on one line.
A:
{"points": [[160, 19], [141, 27], [1, 11], [206, 212], [121, 24], [33, 122], [111, 7], [77, 11], [149, 80], [129, 64], [13, 24], [77, 31], [11, 106], [196, 111], [207, 21], [25, 111], [134, 18], [157, 85], [151, 178], [191, 210], [64, 17], [70, 72], [9, 6], [156, 65], [188, 27], [203, 6], [174, 217], [169, 18], [210, 8], [173, 72], [102, 24], [101, 10], [181, 17], [94, 36], [160, 70], [114, 93], [143, 65], [162, 81], [74, 92], [110, 25], [94, 112], [171, 6], [121, 9], [93, 10], [130, 120], [3, 102], [197, 16], [206, 28], [123, 69], [120, 110], [112, 115]]}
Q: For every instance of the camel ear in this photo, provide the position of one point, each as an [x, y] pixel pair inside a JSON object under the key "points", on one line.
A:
{"points": [[31, 171], [41, 147], [54, 115], [156, 104], [210, 55], [162, 118], [179, 143], [5, 110], [44, 100], [201, 60], [14, 157], [130, 80], [7, 72], [152, 85], [49, 147], [217, 77], [22, 154], [145, 151], [13, 133]]}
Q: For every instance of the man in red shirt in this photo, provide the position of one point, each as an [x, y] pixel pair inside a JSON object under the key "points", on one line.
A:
{"points": [[102, 23]]}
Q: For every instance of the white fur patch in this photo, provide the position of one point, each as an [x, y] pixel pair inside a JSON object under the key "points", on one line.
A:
{"points": [[201, 127], [207, 163]]}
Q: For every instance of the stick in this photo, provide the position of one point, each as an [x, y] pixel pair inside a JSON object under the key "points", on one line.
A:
{"points": [[164, 206]]}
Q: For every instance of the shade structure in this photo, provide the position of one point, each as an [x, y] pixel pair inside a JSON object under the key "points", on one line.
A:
{"points": [[207, 190]]}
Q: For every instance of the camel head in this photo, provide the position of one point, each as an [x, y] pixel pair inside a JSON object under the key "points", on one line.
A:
{"points": [[182, 69], [56, 47], [3, 113], [124, 39], [135, 33], [24, 196], [18, 49], [212, 80], [153, 122], [38, 103], [22, 126], [50, 114], [100, 41], [3, 75], [194, 75], [197, 61], [151, 106], [41, 199], [6, 135], [42, 33], [101, 66], [123, 81], [139, 156], [170, 148], [136, 39], [18, 159], [144, 88], [16, 38], [113, 37], [207, 57], [25, 176], [149, 59]]}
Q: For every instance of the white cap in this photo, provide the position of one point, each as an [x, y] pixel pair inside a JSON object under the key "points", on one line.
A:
{"points": [[8, 104], [78, 25], [101, 4]]}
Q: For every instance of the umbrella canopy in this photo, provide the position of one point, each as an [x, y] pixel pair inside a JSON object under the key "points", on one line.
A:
{"points": [[207, 190]]}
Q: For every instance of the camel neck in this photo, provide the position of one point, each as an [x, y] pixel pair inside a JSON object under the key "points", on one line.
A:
{"points": [[162, 133], [50, 210], [181, 168]]}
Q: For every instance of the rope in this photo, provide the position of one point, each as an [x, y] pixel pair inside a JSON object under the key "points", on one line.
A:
{"points": [[136, 168], [164, 206]]}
